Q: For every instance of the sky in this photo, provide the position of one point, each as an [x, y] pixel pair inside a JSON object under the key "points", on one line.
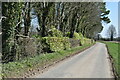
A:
{"points": [[113, 7]]}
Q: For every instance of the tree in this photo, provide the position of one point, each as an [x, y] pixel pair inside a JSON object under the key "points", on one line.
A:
{"points": [[80, 17], [27, 19], [71, 17], [99, 36], [10, 28], [104, 13], [43, 10], [111, 32]]}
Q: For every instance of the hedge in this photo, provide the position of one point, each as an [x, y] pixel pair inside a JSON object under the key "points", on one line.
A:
{"points": [[74, 42], [76, 36], [53, 44], [29, 47], [53, 32], [82, 39], [79, 37], [27, 66], [26, 47]]}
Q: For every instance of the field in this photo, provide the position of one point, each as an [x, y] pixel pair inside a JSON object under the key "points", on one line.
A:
{"points": [[113, 49]]}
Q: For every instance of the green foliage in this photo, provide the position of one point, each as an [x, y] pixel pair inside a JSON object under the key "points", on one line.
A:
{"points": [[27, 47], [12, 11], [8, 52], [86, 41], [67, 34], [36, 36], [66, 43], [79, 19], [104, 14], [18, 68], [76, 35], [80, 37], [55, 43], [55, 33], [74, 42], [39, 45]]}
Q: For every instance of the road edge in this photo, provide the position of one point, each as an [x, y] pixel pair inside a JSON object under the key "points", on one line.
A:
{"points": [[37, 71], [112, 64]]}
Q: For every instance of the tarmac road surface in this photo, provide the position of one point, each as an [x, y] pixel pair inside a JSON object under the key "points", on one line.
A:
{"points": [[91, 63]]}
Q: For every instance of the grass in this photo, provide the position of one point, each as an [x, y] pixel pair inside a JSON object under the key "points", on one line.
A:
{"points": [[19, 68], [114, 52]]}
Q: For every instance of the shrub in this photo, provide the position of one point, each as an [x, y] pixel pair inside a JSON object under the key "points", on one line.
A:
{"points": [[39, 45], [81, 39], [55, 33], [76, 35], [67, 34], [8, 50], [81, 35], [66, 43], [86, 41], [20, 68], [27, 47], [74, 42], [55, 44]]}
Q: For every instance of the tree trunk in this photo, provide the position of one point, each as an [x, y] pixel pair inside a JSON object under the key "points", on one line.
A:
{"points": [[111, 37], [27, 21], [43, 25], [73, 21]]}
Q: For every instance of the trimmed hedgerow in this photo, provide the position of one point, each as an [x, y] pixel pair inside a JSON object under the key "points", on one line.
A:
{"points": [[76, 35], [20, 68], [86, 41], [66, 43], [74, 42], [81, 38], [55, 33], [53, 44]]}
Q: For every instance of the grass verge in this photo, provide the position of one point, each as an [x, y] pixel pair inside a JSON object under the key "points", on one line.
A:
{"points": [[115, 55], [19, 69]]}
